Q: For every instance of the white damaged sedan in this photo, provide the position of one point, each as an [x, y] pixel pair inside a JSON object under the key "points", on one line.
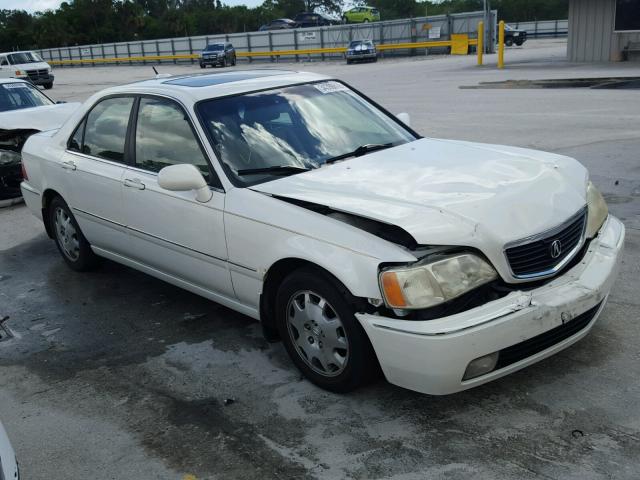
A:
{"points": [[296, 200]]}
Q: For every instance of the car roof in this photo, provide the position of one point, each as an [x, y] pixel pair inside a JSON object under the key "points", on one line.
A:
{"points": [[196, 87]]}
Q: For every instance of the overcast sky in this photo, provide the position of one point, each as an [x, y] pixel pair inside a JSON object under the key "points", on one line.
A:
{"points": [[40, 5]]}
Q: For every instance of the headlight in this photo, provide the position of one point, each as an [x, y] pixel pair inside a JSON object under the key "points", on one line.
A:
{"points": [[20, 73], [424, 285], [7, 157], [598, 210]]}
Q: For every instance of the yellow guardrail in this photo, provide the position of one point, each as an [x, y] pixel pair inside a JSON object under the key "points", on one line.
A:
{"points": [[459, 46]]}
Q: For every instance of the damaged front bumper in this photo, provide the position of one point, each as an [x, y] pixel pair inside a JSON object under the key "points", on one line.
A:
{"points": [[431, 356]]}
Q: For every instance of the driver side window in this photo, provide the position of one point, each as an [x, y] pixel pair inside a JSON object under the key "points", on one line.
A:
{"points": [[165, 137]]}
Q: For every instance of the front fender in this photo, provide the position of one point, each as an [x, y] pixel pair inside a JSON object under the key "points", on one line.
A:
{"points": [[262, 230]]}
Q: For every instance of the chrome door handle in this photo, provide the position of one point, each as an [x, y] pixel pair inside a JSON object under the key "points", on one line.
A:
{"points": [[134, 183], [69, 165]]}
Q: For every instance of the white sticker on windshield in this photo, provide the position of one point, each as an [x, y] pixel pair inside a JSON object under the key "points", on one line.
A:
{"points": [[330, 87], [15, 85]]}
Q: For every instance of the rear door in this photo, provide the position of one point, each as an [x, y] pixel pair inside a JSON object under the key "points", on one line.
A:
{"points": [[171, 231], [94, 163]]}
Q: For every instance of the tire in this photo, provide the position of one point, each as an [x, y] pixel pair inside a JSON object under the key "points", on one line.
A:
{"points": [[71, 243], [202, 65], [224, 62], [345, 20], [348, 62], [366, 20], [233, 62], [346, 360], [508, 42], [48, 86], [519, 43]]}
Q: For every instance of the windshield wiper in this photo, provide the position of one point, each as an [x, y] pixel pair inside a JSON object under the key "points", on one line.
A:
{"points": [[361, 150], [277, 169]]}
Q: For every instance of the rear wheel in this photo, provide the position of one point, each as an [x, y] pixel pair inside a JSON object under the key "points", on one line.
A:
{"points": [[519, 42], [233, 62], [366, 20], [202, 65], [508, 42], [321, 334], [73, 247]]}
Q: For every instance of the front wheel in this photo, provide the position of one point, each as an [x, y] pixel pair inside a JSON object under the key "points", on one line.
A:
{"points": [[233, 62], [508, 42], [366, 20], [48, 86], [224, 62], [321, 334], [75, 249]]}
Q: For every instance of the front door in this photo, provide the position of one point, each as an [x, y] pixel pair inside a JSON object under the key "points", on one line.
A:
{"points": [[172, 231]]}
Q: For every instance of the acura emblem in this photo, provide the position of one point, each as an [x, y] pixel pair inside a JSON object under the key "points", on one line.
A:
{"points": [[556, 249]]}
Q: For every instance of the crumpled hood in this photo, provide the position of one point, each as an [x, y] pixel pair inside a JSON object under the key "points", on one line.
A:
{"points": [[449, 192], [48, 117]]}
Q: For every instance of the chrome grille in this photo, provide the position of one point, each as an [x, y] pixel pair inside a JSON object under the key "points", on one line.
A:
{"points": [[35, 74], [544, 254]]}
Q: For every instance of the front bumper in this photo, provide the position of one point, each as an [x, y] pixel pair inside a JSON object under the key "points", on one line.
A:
{"points": [[44, 79], [431, 356], [362, 56], [211, 61]]}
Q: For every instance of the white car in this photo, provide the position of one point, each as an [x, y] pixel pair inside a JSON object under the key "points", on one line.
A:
{"points": [[8, 463], [296, 200], [24, 110], [26, 65]]}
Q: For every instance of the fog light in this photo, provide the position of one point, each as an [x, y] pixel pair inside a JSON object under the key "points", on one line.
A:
{"points": [[480, 366]]}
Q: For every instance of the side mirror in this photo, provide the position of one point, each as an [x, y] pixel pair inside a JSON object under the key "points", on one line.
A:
{"points": [[404, 118], [60, 102], [182, 178]]}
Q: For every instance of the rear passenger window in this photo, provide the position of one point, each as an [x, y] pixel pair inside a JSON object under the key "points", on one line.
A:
{"points": [[164, 137], [106, 129]]}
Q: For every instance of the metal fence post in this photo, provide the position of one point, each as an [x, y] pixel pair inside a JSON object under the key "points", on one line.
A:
{"points": [[190, 49], [501, 44], [295, 43], [129, 52], [93, 64], [102, 49], [249, 47], [158, 52], [173, 51], [270, 45], [480, 46], [322, 42]]}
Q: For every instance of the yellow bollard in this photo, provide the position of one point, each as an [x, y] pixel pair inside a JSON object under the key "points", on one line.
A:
{"points": [[480, 46], [501, 44]]}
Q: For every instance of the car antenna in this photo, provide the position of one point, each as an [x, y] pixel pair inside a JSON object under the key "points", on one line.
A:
{"points": [[160, 75]]}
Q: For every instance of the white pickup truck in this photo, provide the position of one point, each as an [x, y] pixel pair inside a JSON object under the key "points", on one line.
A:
{"points": [[26, 66]]}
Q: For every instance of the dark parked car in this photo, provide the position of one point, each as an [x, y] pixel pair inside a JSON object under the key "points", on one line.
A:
{"points": [[513, 35], [222, 54], [278, 24], [361, 50], [310, 19]]}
